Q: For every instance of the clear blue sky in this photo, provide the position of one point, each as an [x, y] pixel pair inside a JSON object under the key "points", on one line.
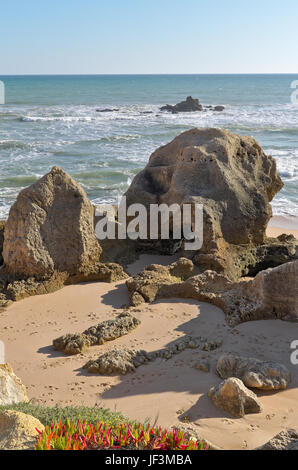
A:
{"points": [[148, 36]]}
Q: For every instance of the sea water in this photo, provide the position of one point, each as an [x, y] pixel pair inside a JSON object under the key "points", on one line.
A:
{"points": [[52, 120]]}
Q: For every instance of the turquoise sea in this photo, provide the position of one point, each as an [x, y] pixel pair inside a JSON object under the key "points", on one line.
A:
{"points": [[52, 120]]}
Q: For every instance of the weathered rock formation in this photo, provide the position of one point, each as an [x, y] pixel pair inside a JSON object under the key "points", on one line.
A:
{"points": [[235, 181], [146, 285], [12, 390], [285, 440], [99, 334], [189, 105], [49, 240], [18, 430], [50, 228], [264, 375], [126, 360], [232, 396], [263, 297]]}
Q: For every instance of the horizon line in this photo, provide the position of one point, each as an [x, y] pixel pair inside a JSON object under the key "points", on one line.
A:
{"points": [[138, 74]]}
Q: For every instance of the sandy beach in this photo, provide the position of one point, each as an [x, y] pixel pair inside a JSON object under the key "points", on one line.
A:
{"points": [[173, 391]]}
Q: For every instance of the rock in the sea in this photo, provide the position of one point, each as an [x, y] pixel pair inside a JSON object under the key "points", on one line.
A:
{"points": [[50, 228], [234, 180], [285, 440], [12, 390], [219, 108], [264, 375], [18, 431], [189, 105], [99, 334], [232, 396]]}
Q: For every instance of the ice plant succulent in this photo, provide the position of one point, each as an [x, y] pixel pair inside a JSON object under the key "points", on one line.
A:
{"points": [[81, 435]]}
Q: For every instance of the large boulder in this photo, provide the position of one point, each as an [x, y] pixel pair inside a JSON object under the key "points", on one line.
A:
{"points": [[234, 180], [50, 228], [264, 375], [232, 396], [12, 390], [18, 431]]}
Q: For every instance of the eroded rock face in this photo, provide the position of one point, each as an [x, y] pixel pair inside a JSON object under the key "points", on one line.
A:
{"points": [[50, 228], [264, 375], [229, 174], [18, 431], [98, 334], [246, 300], [234, 180], [232, 396], [146, 285], [12, 390], [285, 440]]}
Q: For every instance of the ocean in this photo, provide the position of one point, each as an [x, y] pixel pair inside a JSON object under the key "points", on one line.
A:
{"points": [[52, 120]]}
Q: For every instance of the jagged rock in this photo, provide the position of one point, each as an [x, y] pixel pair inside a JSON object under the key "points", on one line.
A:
{"points": [[189, 105], [232, 396], [12, 390], [183, 268], [219, 108], [234, 180], [50, 228], [112, 362], [264, 375], [18, 431], [124, 361], [264, 297], [145, 286], [285, 440], [98, 334]]}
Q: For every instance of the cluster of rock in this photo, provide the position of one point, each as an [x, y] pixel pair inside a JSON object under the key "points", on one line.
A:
{"points": [[49, 240], [108, 330], [233, 395], [188, 106], [263, 375], [263, 297], [124, 361]]}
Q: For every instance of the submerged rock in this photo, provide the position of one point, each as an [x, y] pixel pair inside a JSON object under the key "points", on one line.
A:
{"points": [[18, 431], [232, 396], [264, 375], [12, 390], [50, 228], [99, 334]]}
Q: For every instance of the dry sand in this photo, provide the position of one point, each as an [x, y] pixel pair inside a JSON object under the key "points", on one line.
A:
{"points": [[172, 391]]}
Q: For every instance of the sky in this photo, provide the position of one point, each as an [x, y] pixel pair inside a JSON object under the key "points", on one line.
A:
{"points": [[148, 36]]}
